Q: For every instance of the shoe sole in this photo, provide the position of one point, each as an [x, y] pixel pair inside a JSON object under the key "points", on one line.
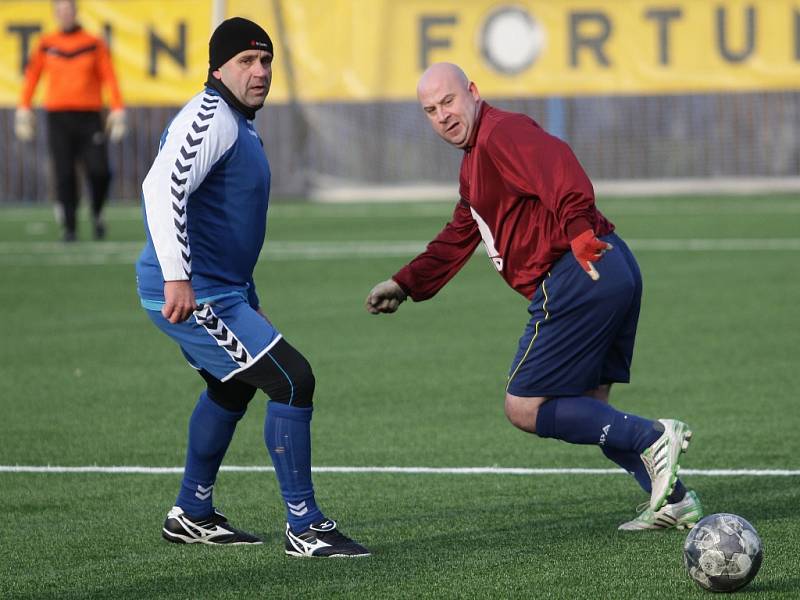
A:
{"points": [[681, 527], [177, 539], [299, 555], [688, 518], [685, 437]]}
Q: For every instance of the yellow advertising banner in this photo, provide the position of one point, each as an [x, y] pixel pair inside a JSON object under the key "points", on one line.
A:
{"points": [[159, 49], [365, 50]]}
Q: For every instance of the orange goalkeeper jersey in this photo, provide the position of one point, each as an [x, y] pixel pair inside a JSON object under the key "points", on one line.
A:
{"points": [[77, 64]]}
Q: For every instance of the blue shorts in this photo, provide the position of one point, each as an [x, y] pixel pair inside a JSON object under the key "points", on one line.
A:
{"points": [[581, 332], [224, 336]]}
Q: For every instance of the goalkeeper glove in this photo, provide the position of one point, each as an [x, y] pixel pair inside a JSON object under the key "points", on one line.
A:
{"points": [[116, 125], [24, 124], [385, 297], [586, 249]]}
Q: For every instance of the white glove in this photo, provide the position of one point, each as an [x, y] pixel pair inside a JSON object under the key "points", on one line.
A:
{"points": [[385, 297], [24, 124], [116, 125]]}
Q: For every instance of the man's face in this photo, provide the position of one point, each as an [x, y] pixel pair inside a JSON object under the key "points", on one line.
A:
{"points": [[248, 76], [65, 13], [451, 106]]}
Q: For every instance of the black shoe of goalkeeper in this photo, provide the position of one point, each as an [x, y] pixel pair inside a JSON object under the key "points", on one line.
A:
{"points": [[179, 528], [322, 539]]}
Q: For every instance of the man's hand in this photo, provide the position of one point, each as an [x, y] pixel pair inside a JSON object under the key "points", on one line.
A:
{"points": [[385, 297], [179, 301], [24, 124], [587, 249], [116, 124]]}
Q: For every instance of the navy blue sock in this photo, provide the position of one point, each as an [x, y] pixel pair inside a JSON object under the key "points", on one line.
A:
{"points": [[585, 420], [632, 463], [287, 432], [677, 494], [211, 428]]}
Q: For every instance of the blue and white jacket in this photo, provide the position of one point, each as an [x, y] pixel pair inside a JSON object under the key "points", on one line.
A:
{"points": [[205, 203]]}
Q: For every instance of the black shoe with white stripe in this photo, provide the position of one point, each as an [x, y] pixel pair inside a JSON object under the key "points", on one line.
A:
{"points": [[179, 528], [322, 540]]}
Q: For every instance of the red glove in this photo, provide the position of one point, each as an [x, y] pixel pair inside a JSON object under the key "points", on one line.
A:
{"points": [[587, 248]]}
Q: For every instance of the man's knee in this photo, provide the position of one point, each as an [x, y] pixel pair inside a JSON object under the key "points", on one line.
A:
{"points": [[522, 412], [99, 173], [601, 392], [298, 388], [284, 375], [231, 395], [65, 175]]}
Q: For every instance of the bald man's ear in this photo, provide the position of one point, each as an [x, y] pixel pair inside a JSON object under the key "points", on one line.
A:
{"points": [[473, 89]]}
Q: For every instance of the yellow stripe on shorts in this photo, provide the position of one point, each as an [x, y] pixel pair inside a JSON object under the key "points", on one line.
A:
{"points": [[535, 333]]}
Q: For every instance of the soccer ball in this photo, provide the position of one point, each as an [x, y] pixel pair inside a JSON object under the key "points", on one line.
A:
{"points": [[722, 553]]}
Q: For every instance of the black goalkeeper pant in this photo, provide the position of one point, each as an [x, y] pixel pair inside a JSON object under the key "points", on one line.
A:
{"points": [[78, 136]]}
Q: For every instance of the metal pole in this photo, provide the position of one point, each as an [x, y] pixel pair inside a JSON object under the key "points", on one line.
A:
{"points": [[218, 10]]}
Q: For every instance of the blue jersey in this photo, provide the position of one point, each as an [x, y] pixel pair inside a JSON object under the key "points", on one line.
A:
{"points": [[205, 203]]}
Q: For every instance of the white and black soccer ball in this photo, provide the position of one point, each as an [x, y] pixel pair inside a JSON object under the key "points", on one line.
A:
{"points": [[722, 553]]}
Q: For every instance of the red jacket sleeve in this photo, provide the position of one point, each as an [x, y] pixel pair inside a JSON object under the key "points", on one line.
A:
{"points": [[443, 258], [531, 162]]}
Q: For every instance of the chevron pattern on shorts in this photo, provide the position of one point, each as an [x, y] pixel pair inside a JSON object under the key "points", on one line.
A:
{"points": [[183, 164], [224, 336]]}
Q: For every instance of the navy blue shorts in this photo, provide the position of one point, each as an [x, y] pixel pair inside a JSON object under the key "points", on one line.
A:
{"points": [[581, 332]]}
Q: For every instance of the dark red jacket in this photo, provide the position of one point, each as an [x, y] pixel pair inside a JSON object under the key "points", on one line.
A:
{"points": [[524, 193]]}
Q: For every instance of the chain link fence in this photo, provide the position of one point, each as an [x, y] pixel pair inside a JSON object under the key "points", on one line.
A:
{"points": [[313, 146]]}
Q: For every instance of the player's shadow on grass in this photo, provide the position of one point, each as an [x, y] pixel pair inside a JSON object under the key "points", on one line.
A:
{"points": [[767, 586], [750, 499], [523, 530]]}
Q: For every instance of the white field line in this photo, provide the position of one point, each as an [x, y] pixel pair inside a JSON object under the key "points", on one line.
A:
{"points": [[135, 470], [333, 189], [115, 253]]}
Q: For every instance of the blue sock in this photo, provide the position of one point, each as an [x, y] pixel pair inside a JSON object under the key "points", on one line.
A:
{"points": [[287, 432], [585, 420], [211, 428], [677, 494], [632, 463]]}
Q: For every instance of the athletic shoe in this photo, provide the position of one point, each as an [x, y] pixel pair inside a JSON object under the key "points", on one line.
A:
{"points": [[99, 229], [661, 460], [181, 529], [680, 515], [324, 540]]}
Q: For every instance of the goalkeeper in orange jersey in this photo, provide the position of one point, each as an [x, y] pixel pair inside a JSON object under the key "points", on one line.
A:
{"points": [[77, 65]]}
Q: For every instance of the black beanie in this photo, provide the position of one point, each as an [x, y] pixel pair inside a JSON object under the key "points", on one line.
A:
{"points": [[233, 36]]}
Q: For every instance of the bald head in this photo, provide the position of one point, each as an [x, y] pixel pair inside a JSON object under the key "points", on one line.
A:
{"points": [[442, 73], [451, 102]]}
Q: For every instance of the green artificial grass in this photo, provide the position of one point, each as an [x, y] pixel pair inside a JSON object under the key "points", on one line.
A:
{"points": [[89, 381]]}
